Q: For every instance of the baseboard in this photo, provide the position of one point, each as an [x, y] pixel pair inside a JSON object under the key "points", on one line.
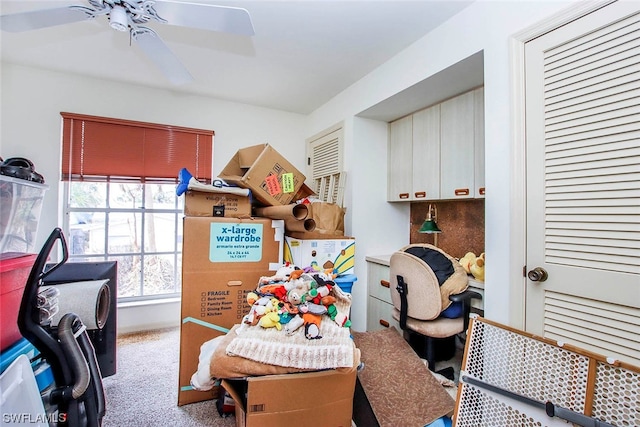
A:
{"points": [[148, 315]]}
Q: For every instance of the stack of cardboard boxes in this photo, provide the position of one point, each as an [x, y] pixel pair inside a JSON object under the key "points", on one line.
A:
{"points": [[225, 252]]}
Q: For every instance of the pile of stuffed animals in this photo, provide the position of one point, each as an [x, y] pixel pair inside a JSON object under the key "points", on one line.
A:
{"points": [[295, 298], [473, 265]]}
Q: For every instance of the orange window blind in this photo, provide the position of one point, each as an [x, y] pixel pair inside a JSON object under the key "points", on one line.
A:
{"points": [[105, 147]]}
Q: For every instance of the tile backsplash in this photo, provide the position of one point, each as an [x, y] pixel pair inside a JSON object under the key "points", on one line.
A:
{"points": [[461, 222]]}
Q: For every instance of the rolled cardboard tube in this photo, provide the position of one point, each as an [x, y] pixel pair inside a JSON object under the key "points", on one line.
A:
{"points": [[297, 225], [293, 211]]}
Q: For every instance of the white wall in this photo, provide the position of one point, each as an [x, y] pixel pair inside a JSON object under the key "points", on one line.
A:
{"points": [[32, 100], [381, 227]]}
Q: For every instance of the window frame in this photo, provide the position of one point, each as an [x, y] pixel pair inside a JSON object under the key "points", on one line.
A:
{"points": [[165, 173]]}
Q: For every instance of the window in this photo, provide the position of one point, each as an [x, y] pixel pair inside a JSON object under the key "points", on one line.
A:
{"points": [[120, 201]]}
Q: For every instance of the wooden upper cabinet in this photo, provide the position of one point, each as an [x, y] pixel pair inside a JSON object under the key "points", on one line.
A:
{"points": [[438, 153], [426, 154], [400, 163], [478, 114], [457, 157]]}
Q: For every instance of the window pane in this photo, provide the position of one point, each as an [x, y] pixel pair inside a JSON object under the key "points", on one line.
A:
{"points": [[125, 195], [159, 275], [160, 232], [163, 196], [129, 274], [86, 233], [87, 194], [124, 232]]}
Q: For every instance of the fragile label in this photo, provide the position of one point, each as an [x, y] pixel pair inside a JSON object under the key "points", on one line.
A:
{"points": [[288, 186], [273, 185], [235, 242]]}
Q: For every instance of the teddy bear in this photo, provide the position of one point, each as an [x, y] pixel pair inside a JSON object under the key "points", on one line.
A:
{"points": [[298, 291]]}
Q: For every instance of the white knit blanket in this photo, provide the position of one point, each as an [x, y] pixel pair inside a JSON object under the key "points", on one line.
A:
{"points": [[333, 350]]}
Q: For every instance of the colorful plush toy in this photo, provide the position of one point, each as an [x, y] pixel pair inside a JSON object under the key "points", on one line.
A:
{"points": [[473, 265], [297, 294], [342, 320], [477, 269], [283, 274], [252, 297], [270, 320], [309, 307], [293, 325], [312, 325], [467, 261]]}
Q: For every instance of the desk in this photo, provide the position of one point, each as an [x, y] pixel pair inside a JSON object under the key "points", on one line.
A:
{"points": [[379, 305]]}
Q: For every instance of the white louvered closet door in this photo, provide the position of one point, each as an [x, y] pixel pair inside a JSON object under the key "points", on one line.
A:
{"points": [[583, 182]]}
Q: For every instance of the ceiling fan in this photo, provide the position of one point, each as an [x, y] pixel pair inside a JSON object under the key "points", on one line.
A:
{"points": [[131, 15]]}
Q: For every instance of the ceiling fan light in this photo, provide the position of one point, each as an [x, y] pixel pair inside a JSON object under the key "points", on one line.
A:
{"points": [[118, 18]]}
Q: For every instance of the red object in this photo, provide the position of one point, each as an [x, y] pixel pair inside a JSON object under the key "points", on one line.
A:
{"points": [[14, 273]]}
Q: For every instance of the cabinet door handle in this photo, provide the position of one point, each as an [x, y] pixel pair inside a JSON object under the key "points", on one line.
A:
{"points": [[481, 191], [384, 323], [420, 195], [385, 283], [403, 195], [461, 191]]}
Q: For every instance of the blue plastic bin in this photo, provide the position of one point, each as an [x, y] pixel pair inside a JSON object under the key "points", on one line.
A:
{"points": [[42, 370], [345, 281]]}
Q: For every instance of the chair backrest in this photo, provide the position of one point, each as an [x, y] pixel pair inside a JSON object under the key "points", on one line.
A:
{"points": [[423, 291], [425, 297]]}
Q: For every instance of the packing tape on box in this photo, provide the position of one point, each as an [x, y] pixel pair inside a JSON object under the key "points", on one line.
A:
{"points": [[89, 300], [292, 212]]}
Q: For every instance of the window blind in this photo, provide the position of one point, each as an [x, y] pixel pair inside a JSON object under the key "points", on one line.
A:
{"points": [[97, 147]]}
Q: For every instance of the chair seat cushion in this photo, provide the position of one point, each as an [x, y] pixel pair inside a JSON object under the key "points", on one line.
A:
{"points": [[441, 327]]}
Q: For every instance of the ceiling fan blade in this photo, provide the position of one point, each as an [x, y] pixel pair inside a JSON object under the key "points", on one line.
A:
{"points": [[209, 17], [156, 50], [43, 18]]}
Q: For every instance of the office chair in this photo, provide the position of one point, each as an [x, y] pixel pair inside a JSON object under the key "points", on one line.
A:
{"points": [[430, 296]]}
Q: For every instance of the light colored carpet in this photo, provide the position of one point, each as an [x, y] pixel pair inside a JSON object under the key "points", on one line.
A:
{"points": [[144, 390]]}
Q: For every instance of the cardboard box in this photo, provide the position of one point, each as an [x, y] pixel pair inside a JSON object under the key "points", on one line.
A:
{"points": [[305, 191], [337, 254], [323, 398], [222, 261], [272, 179], [202, 203]]}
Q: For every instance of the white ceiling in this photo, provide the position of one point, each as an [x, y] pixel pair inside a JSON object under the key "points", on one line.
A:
{"points": [[303, 53]]}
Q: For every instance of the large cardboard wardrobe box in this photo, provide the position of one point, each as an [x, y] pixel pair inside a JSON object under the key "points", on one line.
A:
{"points": [[272, 179], [322, 398], [222, 261]]}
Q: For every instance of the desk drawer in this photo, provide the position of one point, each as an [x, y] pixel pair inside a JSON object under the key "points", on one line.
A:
{"points": [[379, 315], [378, 278]]}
